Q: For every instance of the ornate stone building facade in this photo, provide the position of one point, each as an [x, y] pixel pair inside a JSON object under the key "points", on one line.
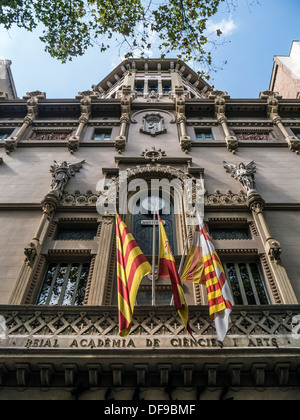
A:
{"points": [[148, 120]]}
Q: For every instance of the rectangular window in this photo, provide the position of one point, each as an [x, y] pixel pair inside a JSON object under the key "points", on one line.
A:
{"points": [[162, 297], [75, 233], [298, 135], [229, 233], [247, 283], [153, 86], [203, 135], [139, 86], [64, 284], [4, 136], [166, 86], [102, 135]]}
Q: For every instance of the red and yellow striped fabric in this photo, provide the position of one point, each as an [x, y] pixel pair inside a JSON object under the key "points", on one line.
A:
{"points": [[203, 266], [167, 268], [132, 266]]}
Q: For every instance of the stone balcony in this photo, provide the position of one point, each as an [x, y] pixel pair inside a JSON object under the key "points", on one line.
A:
{"points": [[41, 343]]}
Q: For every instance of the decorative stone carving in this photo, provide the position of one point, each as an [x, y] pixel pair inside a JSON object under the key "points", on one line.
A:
{"points": [[153, 154], [153, 96], [120, 144], [31, 252], [3, 96], [62, 173], [153, 124], [243, 173]]}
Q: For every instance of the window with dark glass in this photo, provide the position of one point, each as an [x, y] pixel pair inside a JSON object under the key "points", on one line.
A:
{"points": [[4, 136], [201, 135], [166, 86], [102, 135], [142, 225], [75, 233], [247, 283], [139, 86], [64, 284], [153, 86], [219, 233], [297, 135], [162, 297]]}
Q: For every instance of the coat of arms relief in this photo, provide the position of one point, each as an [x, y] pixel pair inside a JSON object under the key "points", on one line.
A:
{"points": [[153, 124]]}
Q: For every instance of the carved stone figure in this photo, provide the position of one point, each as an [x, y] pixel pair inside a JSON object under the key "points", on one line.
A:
{"points": [[243, 173], [62, 173], [153, 124]]}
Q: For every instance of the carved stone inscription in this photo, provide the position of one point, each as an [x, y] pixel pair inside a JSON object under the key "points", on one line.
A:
{"points": [[158, 329]]}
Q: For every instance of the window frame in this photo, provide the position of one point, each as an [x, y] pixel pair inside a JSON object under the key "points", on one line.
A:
{"points": [[102, 131], [236, 263], [204, 132], [66, 279]]}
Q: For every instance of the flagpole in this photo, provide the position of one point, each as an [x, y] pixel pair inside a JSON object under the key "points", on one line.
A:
{"points": [[183, 257], [153, 258], [184, 251]]}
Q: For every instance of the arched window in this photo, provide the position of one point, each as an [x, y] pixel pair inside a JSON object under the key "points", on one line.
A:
{"points": [[142, 223]]}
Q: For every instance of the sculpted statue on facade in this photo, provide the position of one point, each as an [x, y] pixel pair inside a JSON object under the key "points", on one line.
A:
{"points": [[243, 173], [62, 172]]}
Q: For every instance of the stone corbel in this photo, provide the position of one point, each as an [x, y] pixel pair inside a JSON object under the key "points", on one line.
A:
{"points": [[32, 113], [126, 99], [220, 114], [273, 114], [85, 106]]}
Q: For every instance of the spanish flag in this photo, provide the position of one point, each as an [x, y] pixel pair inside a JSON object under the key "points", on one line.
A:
{"points": [[167, 268], [203, 266], [132, 266]]}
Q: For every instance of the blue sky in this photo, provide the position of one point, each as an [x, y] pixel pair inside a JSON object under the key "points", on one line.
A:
{"points": [[252, 36]]}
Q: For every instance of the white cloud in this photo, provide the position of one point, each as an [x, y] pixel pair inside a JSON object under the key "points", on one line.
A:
{"points": [[226, 26]]}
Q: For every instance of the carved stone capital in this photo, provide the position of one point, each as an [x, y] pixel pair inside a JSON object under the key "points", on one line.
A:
{"points": [[255, 201], [125, 119], [50, 202], [221, 118], [276, 118], [84, 118]]}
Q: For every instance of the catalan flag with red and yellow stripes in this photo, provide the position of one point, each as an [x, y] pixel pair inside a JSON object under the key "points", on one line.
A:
{"points": [[132, 266], [167, 268], [203, 266]]}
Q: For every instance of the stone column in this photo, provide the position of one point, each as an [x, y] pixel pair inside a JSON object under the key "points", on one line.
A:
{"points": [[101, 272], [128, 94], [25, 285], [220, 109], [272, 112], [32, 113], [85, 105], [179, 98]]}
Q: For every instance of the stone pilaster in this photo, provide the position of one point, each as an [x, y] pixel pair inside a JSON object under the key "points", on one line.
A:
{"points": [[273, 249], [32, 113], [32, 252], [101, 272]]}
